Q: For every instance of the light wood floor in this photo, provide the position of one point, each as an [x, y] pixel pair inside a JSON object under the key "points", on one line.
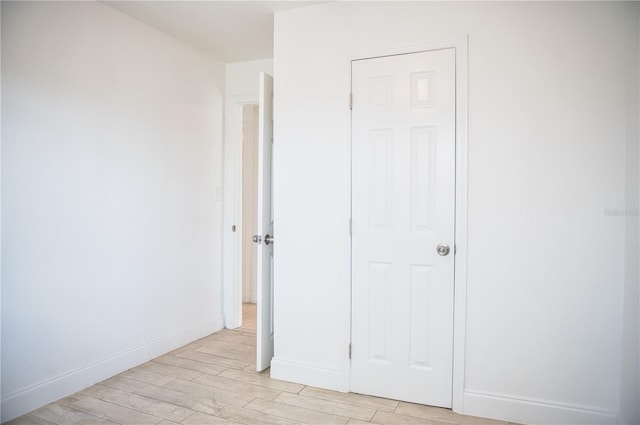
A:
{"points": [[213, 381], [249, 313]]}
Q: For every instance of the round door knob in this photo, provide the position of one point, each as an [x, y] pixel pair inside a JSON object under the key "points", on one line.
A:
{"points": [[257, 238], [443, 249], [268, 239]]}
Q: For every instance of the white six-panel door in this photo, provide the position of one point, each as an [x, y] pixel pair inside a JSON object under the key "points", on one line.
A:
{"points": [[403, 205]]}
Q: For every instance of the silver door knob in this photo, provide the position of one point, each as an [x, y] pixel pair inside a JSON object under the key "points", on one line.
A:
{"points": [[268, 239], [443, 249], [257, 239]]}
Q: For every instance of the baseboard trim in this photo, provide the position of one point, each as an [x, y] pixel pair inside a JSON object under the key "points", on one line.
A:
{"points": [[531, 411], [308, 374], [27, 399]]}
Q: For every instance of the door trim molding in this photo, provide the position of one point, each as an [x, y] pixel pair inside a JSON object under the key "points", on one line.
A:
{"points": [[461, 230], [232, 211], [460, 45]]}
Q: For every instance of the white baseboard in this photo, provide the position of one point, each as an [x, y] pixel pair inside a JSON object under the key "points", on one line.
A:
{"points": [[44, 392], [533, 412], [307, 374]]}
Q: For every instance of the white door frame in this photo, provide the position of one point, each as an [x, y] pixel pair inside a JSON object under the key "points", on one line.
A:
{"points": [[460, 44], [232, 211]]}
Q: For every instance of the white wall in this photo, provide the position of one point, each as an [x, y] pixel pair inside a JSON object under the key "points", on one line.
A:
{"points": [[242, 77], [111, 156], [548, 85], [0, 216], [241, 88], [630, 378]]}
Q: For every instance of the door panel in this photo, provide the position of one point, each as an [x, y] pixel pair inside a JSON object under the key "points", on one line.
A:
{"points": [[264, 352], [403, 204]]}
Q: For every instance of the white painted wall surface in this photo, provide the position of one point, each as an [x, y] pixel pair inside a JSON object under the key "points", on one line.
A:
{"points": [[630, 377], [242, 76], [241, 88], [547, 136], [111, 156], [0, 216]]}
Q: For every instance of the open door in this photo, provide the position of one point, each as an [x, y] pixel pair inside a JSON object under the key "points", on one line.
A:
{"points": [[264, 237]]}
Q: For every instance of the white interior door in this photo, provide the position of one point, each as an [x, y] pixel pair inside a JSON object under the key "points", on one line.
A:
{"points": [[264, 237], [403, 141]]}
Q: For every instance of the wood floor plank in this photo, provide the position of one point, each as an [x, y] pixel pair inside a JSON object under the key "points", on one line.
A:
{"points": [[204, 419], [386, 418], [260, 379], [319, 405], [185, 363], [218, 345], [377, 403], [244, 331], [230, 353], [216, 360], [299, 414], [63, 415], [359, 422], [216, 394], [112, 412], [239, 387], [189, 401], [233, 337], [169, 370], [146, 376], [124, 384], [251, 417], [189, 347], [252, 368], [143, 404]]}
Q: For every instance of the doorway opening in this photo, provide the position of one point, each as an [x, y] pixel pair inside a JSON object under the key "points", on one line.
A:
{"points": [[249, 215], [241, 241]]}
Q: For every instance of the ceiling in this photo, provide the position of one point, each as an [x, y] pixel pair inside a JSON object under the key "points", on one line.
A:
{"points": [[230, 31]]}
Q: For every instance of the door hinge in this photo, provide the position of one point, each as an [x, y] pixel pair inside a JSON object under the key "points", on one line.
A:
{"points": [[350, 227], [350, 101], [349, 351]]}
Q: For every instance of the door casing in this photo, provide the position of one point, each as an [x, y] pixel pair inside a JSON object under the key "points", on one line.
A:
{"points": [[460, 44]]}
